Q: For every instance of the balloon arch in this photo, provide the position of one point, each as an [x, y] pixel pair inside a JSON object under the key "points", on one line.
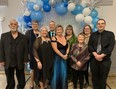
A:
{"points": [[85, 13]]}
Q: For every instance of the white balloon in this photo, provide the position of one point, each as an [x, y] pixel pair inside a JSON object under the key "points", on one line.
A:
{"points": [[86, 11], [83, 3], [79, 18], [92, 26], [71, 6], [36, 7], [88, 19], [27, 13]]}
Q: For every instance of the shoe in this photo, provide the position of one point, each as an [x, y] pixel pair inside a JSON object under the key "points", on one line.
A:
{"points": [[86, 85]]}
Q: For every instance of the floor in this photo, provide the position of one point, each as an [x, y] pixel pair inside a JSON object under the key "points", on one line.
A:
{"points": [[111, 82]]}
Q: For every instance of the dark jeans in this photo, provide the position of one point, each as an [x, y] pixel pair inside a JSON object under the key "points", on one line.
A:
{"points": [[100, 72], [10, 78], [78, 75]]}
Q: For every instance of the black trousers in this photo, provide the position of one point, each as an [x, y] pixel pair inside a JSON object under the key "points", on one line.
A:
{"points": [[100, 72], [86, 73], [78, 75], [10, 78]]}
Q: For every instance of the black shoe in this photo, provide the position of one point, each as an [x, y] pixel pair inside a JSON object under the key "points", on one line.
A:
{"points": [[86, 85]]}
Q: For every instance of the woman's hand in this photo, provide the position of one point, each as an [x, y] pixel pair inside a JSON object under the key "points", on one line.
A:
{"points": [[65, 57], [39, 65], [79, 64]]}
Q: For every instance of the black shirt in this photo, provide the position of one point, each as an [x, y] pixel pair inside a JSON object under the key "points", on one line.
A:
{"points": [[14, 42], [107, 43]]}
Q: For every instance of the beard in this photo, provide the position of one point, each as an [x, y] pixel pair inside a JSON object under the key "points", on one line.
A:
{"points": [[13, 30]]}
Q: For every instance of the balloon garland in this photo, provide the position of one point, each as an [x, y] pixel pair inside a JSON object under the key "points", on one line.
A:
{"points": [[84, 12]]}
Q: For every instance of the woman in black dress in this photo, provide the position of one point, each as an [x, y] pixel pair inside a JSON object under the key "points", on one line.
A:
{"points": [[43, 55]]}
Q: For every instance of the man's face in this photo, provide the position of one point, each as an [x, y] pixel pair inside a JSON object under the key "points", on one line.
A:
{"points": [[13, 25], [101, 25], [35, 26], [52, 26]]}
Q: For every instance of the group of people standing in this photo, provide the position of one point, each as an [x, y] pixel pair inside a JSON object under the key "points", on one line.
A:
{"points": [[56, 59]]}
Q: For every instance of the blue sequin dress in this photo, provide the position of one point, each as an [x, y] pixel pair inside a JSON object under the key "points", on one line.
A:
{"points": [[59, 80]]}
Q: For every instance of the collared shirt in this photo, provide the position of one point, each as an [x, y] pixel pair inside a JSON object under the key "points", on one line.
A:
{"points": [[107, 42]]}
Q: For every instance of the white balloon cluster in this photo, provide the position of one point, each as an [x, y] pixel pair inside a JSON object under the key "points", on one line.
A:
{"points": [[84, 15]]}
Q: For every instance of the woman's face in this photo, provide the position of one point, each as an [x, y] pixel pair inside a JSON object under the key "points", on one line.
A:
{"points": [[81, 38], [44, 32], [69, 31], [35, 26], [87, 30], [59, 31]]}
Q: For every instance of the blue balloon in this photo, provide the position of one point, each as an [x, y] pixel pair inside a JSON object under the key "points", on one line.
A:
{"points": [[65, 4], [95, 29], [78, 9], [45, 1], [94, 21], [47, 7], [61, 9], [20, 19], [36, 15], [30, 5], [82, 24], [27, 19], [94, 13], [39, 3]]}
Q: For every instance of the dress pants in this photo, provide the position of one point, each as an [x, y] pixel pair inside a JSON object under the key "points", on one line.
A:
{"points": [[78, 74], [10, 78], [100, 70]]}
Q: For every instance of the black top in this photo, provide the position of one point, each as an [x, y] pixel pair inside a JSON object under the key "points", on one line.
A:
{"points": [[107, 43]]}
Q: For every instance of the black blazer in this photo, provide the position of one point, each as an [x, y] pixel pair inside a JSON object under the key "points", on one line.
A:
{"points": [[21, 50]]}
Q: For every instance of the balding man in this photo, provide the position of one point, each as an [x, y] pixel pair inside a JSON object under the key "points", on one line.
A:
{"points": [[13, 55]]}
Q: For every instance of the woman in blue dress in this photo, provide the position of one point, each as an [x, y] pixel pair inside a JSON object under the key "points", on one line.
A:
{"points": [[60, 46]]}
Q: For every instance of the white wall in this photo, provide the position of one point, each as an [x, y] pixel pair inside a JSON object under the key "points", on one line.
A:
{"points": [[15, 8]]}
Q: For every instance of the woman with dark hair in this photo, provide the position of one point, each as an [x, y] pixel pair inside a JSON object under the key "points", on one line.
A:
{"points": [[79, 55], [71, 39], [60, 47], [87, 30]]}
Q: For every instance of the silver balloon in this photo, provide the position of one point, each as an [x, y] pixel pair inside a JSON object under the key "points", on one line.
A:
{"points": [[52, 2]]}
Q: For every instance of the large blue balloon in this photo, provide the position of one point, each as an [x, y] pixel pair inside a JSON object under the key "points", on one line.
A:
{"points": [[60, 9], [46, 7], [95, 29], [36, 15], [27, 19], [94, 13], [78, 9]]}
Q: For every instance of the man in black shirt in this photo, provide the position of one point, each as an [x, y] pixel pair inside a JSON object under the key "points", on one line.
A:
{"points": [[101, 44], [13, 55]]}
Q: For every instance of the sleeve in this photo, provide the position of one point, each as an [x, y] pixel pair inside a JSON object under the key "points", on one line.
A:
{"points": [[35, 47], [110, 48], [71, 54], [90, 44], [2, 53], [26, 59]]}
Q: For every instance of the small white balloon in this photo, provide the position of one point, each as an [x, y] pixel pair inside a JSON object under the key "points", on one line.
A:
{"points": [[79, 18], [36, 7], [88, 19], [71, 6], [27, 13], [86, 11]]}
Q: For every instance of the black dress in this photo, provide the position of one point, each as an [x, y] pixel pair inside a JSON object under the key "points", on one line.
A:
{"points": [[44, 52]]}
